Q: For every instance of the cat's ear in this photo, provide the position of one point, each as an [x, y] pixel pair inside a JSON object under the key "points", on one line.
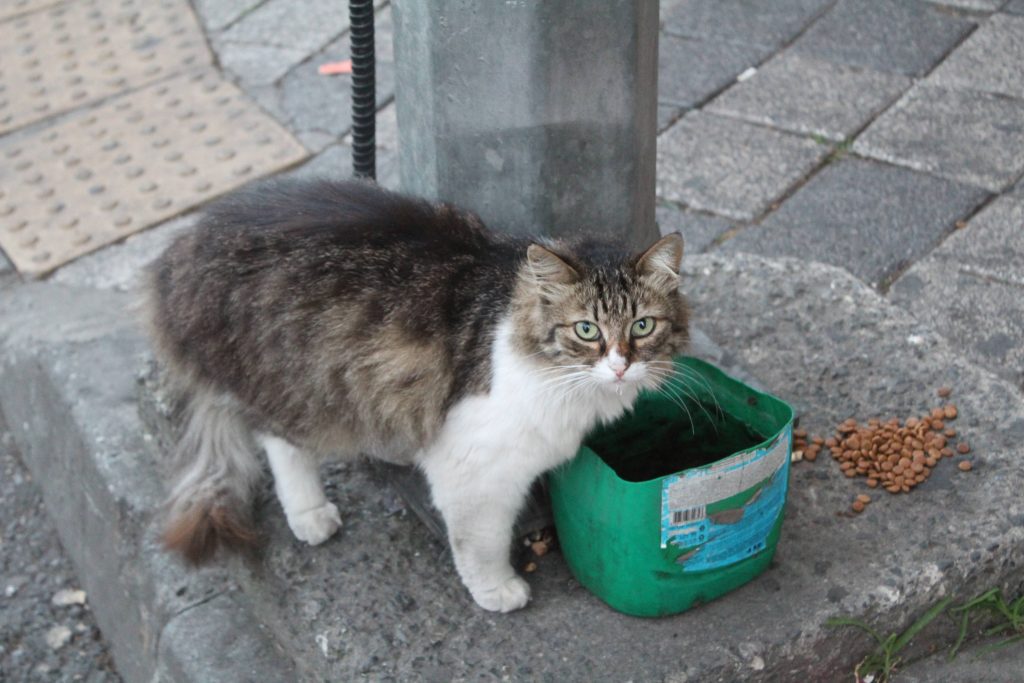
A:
{"points": [[661, 262], [548, 268]]}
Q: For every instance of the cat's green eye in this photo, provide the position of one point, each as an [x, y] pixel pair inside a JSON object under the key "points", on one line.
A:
{"points": [[642, 327], [587, 331]]}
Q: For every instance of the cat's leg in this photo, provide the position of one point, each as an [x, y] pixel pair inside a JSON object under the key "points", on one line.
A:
{"points": [[479, 503], [297, 481]]}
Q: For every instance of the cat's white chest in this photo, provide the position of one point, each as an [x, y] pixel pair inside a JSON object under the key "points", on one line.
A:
{"points": [[529, 419]]}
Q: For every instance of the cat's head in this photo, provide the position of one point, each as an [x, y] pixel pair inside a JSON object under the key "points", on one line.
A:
{"points": [[595, 313]]}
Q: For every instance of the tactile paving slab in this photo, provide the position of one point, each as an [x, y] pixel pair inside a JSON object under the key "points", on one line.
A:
{"points": [[83, 51], [134, 162], [12, 8]]}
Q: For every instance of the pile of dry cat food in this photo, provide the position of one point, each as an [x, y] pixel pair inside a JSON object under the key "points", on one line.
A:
{"points": [[892, 455]]}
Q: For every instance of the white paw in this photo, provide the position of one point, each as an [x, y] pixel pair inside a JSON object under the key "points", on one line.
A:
{"points": [[317, 525], [512, 594]]}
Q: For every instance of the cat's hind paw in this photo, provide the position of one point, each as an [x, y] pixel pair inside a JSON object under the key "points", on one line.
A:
{"points": [[510, 595], [316, 525]]}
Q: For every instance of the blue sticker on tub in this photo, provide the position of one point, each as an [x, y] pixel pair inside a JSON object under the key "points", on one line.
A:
{"points": [[727, 536]]}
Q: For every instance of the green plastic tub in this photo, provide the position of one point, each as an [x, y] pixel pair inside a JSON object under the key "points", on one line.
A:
{"points": [[681, 500]]}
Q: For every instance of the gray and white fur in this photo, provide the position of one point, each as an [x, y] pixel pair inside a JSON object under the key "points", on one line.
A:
{"points": [[316, 319]]}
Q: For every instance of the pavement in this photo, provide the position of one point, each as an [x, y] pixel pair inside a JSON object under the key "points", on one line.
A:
{"points": [[847, 175]]}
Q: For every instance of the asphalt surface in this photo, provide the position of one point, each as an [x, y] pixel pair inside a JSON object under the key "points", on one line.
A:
{"points": [[40, 640]]}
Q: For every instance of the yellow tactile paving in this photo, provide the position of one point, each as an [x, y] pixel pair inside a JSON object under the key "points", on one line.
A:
{"points": [[12, 8], [78, 52], [134, 162]]}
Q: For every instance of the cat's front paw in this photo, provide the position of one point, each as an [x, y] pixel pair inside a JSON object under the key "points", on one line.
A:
{"points": [[511, 594], [317, 525]]}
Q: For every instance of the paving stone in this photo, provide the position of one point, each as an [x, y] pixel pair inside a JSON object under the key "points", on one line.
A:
{"points": [[902, 36], [974, 137], [972, 288], [691, 70], [747, 22], [257, 65], [278, 23], [870, 218], [990, 59], [699, 230], [336, 161], [216, 15], [667, 115], [730, 167], [311, 102], [1014, 7], [807, 95], [974, 5], [268, 97]]}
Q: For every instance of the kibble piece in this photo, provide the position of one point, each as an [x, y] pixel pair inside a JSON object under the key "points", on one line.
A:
{"points": [[817, 440], [864, 498], [938, 413], [950, 432], [857, 506], [944, 392], [950, 412], [872, 483], [964, 465], [831, 442], [963, 448]]}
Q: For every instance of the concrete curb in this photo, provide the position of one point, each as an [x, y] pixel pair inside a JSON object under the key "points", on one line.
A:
{"points": [[67, 389], [382, 601]]}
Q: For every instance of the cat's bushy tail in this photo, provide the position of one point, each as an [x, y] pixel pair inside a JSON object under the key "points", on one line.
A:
{"points": [[210, 505]]}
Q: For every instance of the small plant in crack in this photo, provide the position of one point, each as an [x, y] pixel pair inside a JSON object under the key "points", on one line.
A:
{"points": [[1009, 618], [880, 664]]}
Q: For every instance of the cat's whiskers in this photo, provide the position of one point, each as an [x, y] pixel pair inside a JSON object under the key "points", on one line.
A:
{"points": [[673, 396], [567, 389], [676, 386], [562, 381], [689, 374], [692, 374]]}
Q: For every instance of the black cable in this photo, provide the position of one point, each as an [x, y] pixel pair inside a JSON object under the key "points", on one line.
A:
{"points": [[364, 89]]}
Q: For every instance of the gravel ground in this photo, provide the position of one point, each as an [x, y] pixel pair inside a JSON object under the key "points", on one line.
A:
{"points": [[40, 640]]}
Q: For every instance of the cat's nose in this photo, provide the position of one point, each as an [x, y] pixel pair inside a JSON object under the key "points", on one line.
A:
{"points": [[620, 373]]}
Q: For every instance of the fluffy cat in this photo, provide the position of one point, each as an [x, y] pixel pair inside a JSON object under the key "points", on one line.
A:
{"points": [[337, 319]]}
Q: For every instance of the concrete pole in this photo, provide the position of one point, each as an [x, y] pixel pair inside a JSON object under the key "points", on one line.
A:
{"points": [[540, 115]]}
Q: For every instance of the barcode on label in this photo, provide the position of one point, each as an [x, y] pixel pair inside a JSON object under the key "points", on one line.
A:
{"points": [[689, 515]]}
